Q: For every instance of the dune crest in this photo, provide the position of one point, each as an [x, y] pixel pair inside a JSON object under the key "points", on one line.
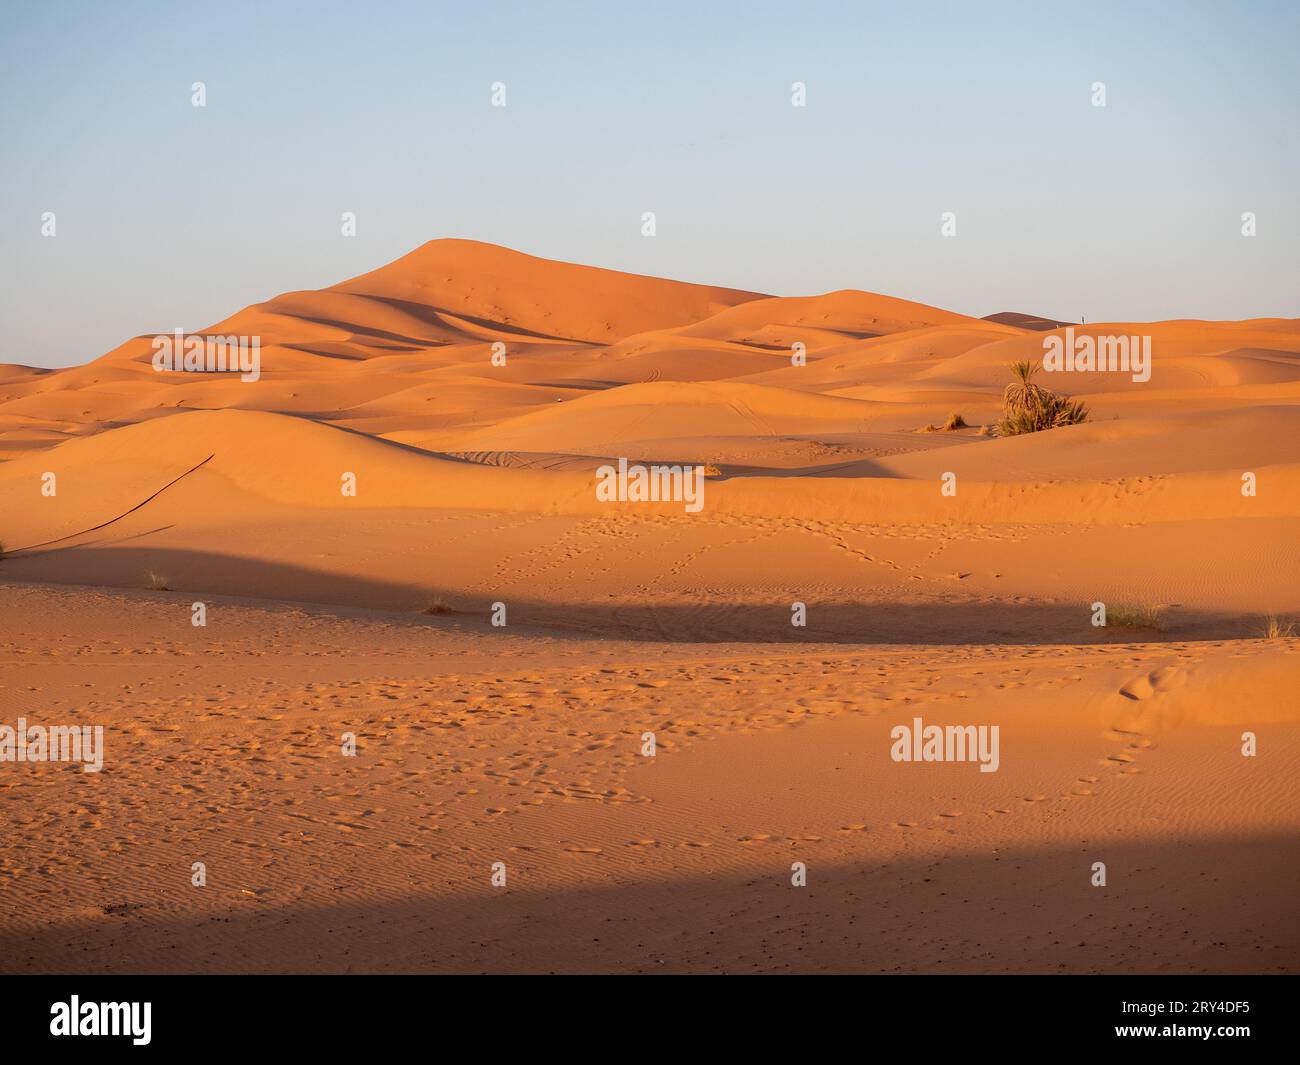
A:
{"points": [[449, 519]]}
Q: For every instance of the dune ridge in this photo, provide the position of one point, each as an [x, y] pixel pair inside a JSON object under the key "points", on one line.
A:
{"points": [[395, 534], [389, 377]]}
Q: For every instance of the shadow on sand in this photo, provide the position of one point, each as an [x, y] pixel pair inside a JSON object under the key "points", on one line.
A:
{"points": [[954, 621], [1172, 906]]}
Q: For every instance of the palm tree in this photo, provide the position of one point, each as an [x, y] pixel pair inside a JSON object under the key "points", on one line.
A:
{"points": [[1030, 408], [1022, 394]]}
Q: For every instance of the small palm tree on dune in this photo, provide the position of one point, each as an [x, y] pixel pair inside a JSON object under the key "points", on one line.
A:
{"points": [[1022, 394], [1030, 408]]}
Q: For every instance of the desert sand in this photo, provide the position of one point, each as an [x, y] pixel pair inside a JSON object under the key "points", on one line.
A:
{"points": [[372, 615]]}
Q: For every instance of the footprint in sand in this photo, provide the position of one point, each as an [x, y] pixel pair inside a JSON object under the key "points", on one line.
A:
{"points": [[1118, 735], [1166, 678]]}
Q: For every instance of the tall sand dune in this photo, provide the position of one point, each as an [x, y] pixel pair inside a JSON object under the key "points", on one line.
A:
{"points": [[395, 534]]}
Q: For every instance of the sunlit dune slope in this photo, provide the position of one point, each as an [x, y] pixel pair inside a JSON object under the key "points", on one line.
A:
{"points": [[488, 283], [391, 375]]}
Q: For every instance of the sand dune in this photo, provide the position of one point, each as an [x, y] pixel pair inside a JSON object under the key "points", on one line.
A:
{"points": [[1024, 321], [482, 281], [128, 495]]}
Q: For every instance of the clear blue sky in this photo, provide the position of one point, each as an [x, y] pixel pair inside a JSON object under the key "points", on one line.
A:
{"points": [[169, 215]]}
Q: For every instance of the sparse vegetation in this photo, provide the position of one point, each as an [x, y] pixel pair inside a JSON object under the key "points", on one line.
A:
{"points": [[1027, 407], [437, 606], [1135, 616], [1276, 629], [952, 423], [1023, 392], [157, 582], [1051, 413], [712, 470]]}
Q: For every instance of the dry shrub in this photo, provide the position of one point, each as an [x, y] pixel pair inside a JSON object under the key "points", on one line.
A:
{"points": [[950, 424], [1027, 407], [1276, 629], [1135, 616]]}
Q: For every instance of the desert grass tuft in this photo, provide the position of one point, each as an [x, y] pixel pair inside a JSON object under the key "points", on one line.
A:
{"points": [[712, 470], [952, 423], [437, 606], [1135, 616], [1276, 629], [157, 582]]}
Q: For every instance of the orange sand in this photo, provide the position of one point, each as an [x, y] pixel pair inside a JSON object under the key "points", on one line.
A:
{"points": [[521, 744]]}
